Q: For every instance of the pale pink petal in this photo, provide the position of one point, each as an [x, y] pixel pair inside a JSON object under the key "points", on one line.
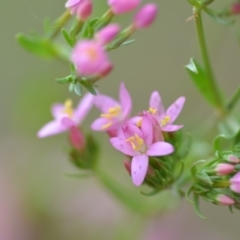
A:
{"points": [[139, 169], [171, 128], [103, 103], [160, 149], [135, 120], [174, 110], [98, 124], [125, 100], [156, 102], [68, 122], [147, 130], [83, 107], [122, 146], [130, 130], [71, 3], [51, 128], [57, 110]]}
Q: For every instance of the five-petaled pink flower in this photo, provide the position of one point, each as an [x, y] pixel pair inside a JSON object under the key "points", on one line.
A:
{"points": [[113, 113], [165, 118], [138, 143], [66, 117], [90, 58], [123, 6]]}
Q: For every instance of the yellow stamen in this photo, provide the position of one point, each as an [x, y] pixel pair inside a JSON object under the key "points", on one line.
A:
{"points": [[91, 53], [165, 120], [106, 126], [68, 109], [152, 110], [111, 113], [139, 123], [137, 143]]}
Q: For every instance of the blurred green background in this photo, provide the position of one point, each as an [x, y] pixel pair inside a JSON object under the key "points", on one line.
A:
{"points": [[37, 201]]}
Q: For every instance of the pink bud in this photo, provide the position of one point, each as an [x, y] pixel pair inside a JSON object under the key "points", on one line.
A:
{"points": [[224, 200], [90, 58], [76, 138], [123, 6], [235, 183], [127, 165], [233, 159], [146, 16], [107, 34], [224, 169], [235, 8], [85, 10]]}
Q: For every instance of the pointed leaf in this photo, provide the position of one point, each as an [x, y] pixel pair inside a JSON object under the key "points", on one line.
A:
{"points": [[88, 86], [196, 206], [78, 89], [67, 37], [65, 80], [71, 87]]}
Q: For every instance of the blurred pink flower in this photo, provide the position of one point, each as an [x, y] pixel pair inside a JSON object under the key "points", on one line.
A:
{"points": [[224, 169], [90, 59], [81, 8], [166, 118], [224, 200], [77, 138], [235, 8], [146, 16], [107, 34], [123, 6], [235, 183], [66, 117], [138, 143], [113, 112]]}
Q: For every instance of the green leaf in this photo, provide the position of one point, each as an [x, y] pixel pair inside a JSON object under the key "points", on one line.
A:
{"points": [[41, 47], [71, 87], [215, 16], [67, 37], [78, 89], [218, 141], [88, 86], [196, 206], [229, 127], [200, 79], [89, 31], [65, 80], [127, 42]]}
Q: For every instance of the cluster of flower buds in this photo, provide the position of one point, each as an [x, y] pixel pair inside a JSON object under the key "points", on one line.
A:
{"points": [[218, 181]]}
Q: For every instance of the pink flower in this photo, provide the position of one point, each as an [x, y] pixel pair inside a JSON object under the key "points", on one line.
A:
{"points": [[123, 6], [235, 8], [107, 34], [65, 117], [90, 58], [233, 159], [138, 143], [146, 16], [235, 183], [113, 112], [81, 8], [165, 118], [77, 138], [224, 200], [224, 169]]}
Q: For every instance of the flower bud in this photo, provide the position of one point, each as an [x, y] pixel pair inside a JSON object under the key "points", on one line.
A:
{"points": [[224, 169], [146, 16], [123, 6], [90, 59], [235, 183], [107, 34], [76, 138], [127, 165], [224, 200], [233, 159], [85, 10], [235, 8]]}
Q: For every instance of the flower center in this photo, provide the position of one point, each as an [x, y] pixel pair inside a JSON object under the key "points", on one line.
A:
{"points": [[68, 109], [137, 143], [91, 53], [165, 121], [110, 115], [152, 110]]}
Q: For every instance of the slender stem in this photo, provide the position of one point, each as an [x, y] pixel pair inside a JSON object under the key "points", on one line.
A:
{"points": [[234, 99], [206, 60]]}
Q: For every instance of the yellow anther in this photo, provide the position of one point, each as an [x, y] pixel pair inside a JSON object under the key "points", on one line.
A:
{"points": [[137, 143], [152, 110], [112, 112], [165, 120], [106, 126], [139, 123], [68, 109]]}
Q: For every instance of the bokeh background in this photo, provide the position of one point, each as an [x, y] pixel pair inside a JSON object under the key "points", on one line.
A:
{"points": [[37, 201]]}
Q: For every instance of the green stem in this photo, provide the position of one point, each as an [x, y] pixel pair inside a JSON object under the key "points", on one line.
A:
{"points": [[234, 99], [206, 60], [76, 29]]}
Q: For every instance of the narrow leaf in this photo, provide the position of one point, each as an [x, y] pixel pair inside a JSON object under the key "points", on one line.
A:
{"points": [[78, 89], [88, 86], [196, 206]]}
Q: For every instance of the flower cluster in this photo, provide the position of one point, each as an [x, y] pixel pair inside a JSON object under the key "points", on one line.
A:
{"points": [[140, 138]]}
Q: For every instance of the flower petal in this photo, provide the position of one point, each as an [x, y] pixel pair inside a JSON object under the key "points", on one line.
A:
{"points": [[68, 122], [51, 128], [130, 130], [125, 100], [103, 103], [156, 102], [83, 107], [122, 146], [160, 149], [57, 110], [98, 124], [174, 110], [147, 130], [139, 169], [171, 128]]}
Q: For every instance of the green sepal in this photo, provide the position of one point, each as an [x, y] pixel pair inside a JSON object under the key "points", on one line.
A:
{"points": [[71, 87], [204, 179], [88, 86], [78, 89], [88, 30], [67, 37], [215, 16], [190, 190], [196, 206], [65, 80], [199, 77]]}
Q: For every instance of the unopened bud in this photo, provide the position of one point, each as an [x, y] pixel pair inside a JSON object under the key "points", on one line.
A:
{"points": [[123, 6], [76, 138], [235, 8], [85, 10], [224, 200], [107, 34], [233, 159], [127, 165], [224, 169]]}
